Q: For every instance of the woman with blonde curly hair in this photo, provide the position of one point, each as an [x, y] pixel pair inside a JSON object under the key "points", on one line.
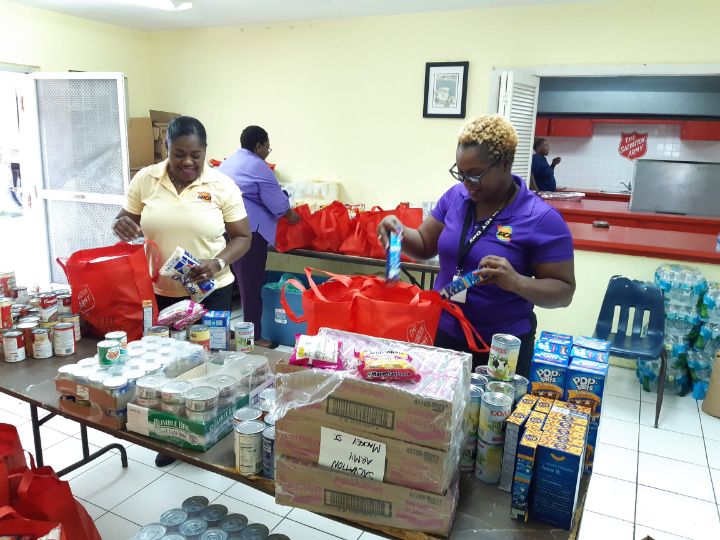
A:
{"points": [[491, 221]]}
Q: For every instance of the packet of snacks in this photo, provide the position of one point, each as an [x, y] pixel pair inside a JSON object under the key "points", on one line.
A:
{"points": [[178, 311], [387, 366], [317, 352], [178, 267]]}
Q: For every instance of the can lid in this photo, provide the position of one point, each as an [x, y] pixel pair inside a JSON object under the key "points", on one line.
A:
{"points": [[105, 344], [88, 362], [215, 512], [40, 331], [12, 333], [195, 526], [134, 374], [151, 382], [254, 531], [476, 391], [64, 326], [174, 517], [98, 377], [245, 414], [497, 398], [116, 382], [67, 369], [175, 387], [195, 503], [234, 523], [222, 382], [202, 393], [154, 531], [27, 325], [251, 427], [199, 328], [269, 432], [214, 534]]}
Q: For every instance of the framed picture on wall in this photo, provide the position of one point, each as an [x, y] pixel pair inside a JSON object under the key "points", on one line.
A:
{"points": [[445, 89]]}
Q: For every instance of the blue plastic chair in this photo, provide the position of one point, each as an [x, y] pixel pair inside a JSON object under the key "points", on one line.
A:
{"points": [[636, 345]]}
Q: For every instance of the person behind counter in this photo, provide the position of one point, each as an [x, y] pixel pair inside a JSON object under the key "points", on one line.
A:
{"points": [[266, 203], [180, 202], [491, 221], [542, 172]]}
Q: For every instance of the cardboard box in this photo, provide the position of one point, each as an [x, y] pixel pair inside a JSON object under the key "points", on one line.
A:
{"points": [[711, 404], [140, 143], [219, 324], [426, 413], [547, 375], [514, 427], [309, 487], [523, 478], [585, 384], [160, 122], [592, 434], [405, 464], [99, 402]]}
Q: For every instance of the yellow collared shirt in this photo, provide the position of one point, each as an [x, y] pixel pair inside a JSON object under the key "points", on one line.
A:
{"points": [[194, 220]]}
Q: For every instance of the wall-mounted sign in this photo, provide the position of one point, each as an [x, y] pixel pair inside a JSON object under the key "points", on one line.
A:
{"points": [[633, 145]]}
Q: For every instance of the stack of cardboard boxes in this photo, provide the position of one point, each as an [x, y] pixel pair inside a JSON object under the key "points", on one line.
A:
{"points": [[146, 139], [385, 453]]}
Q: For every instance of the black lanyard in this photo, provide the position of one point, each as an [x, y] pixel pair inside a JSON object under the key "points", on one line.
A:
{"points": [[465, 247]]}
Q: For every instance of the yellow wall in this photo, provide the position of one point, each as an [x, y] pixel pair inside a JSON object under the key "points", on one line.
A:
{"points": [[342, 99], [56, 42]]}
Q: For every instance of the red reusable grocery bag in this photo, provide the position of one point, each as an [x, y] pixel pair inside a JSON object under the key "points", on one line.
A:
{"points": [[296, 236], [11, 452], [41, 495], [112, 288], [363, 239], [331, 226], [14, 525], [369, 305]]}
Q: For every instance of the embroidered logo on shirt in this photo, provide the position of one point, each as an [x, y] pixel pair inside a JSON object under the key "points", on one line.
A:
{"points": [[504, 233], [204, 196]]}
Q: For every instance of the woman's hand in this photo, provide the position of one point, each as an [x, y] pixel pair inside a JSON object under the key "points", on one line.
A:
{"points": [[206, 270], [385, 227], [293, 217], [499, 271], [126, 229]]}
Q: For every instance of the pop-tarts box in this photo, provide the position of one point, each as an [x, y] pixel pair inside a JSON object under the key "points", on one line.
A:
{"points": [[585, 384], [593, 428], [592, 343], [553, 347], [522, 480], [547, 375], [556, 482], [554, 337], [590, 354], [219, 324]]}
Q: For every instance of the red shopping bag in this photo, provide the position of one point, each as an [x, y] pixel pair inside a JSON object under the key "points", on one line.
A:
{"points": [[41, 495], [112, 288], [331, 226], [11, 452], [13, 524], [363, 239], [296, 236]]}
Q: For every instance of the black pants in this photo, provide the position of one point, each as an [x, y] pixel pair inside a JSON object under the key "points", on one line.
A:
{"points": [[527, 345], [218, 300]]}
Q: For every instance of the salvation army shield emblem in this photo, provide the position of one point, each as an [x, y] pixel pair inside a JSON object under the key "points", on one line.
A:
{"points": [[633, 145]]}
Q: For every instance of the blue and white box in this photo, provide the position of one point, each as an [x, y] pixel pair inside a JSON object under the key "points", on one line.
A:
{"points": [[219, 324]]}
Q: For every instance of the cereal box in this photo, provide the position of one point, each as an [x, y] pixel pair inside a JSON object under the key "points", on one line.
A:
{"points": [[514, 427], [592, 343], [522, 480], [535, 420], [547, 375], [544, 405], [590, 354], [591, 444], [585, 384], [553, 337], [553, 347], [528, 399], [556, 482]]}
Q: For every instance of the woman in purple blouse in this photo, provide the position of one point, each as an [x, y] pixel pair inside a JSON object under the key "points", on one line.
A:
{"points": [[490, 220]]}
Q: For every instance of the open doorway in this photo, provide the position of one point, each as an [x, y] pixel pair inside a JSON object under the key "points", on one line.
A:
{"points": [[11, 197]]}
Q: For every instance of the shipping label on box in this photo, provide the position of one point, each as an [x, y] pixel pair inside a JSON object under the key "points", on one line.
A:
{"points": [[350, 497], [404, 464]]}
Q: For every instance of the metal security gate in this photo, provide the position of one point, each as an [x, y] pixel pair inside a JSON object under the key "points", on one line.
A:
{"points": [[78, 161]]}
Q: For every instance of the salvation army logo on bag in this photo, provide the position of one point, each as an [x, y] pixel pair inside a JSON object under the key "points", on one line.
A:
{"points": [[504, 233], [633, 145], [86, 300], [417, 333]]}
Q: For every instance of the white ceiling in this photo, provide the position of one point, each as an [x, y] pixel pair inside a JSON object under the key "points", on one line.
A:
{"points": [[137, 14]]}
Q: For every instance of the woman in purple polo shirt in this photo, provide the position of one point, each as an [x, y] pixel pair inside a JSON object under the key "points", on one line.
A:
{"points": [[491, 221]]}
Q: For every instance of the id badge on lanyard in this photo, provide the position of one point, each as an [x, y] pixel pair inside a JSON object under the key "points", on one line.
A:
{"points": [[461, 297]]}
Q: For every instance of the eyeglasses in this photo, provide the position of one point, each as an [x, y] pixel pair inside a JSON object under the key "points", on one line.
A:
{"points": [[475, 179], [269, 149]]}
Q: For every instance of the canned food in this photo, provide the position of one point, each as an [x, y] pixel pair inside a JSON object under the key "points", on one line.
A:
{"points": [[201, 398], [148, 387], [503, 358], [254, 531], [6, 320], [268, 452], [27, 328], [158, 331], [502, 387], [64, 304], [483, 370], [269, 395], [271, 418], [67, 371], [214, 534], [108, 352], [120, 337], [488, 462], [226, 385], [467, 456], [13, 346], [154, 531], [195, 505], [214, 514], [172, 519], [202, 417], [29, 318], [478, 380], [41, 345], [179, 335], [520, 384], [148, 403], [50, 326], [265, 408], [473, 410], [248, 448], [48, 306], [193, 528], [244, 336], [63, 339], [20, 293], [98, 378], [494, 410], [174, 391], [246, 414], [177, 409], [74, 319], [233, 523], [7, 282], [200, 335], [173, 536], [117, 387]]}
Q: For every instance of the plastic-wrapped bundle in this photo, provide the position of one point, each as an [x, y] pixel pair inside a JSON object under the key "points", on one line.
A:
{"points": [[683, 285], [708, 337], [710, 305], [676, 378], [682, 321]]}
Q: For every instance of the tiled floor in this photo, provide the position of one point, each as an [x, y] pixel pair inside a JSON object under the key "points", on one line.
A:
{"points": [[663, 482]]}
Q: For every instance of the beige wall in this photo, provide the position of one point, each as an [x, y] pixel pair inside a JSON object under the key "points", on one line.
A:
{"points": [[55, 42], [342, 100]]}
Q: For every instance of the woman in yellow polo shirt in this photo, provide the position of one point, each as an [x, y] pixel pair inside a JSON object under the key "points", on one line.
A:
{"points": [[180, 202]]}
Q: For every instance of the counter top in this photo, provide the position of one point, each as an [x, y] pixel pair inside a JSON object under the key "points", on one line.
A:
{"points": [[599, 195], [675, 245]]}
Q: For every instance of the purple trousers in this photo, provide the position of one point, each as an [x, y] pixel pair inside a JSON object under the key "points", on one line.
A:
{"points": [[250, 274]]}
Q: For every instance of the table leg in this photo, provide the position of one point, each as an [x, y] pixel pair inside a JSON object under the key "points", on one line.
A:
{"points": [[90, 457], [84, 441], [36, 435]]}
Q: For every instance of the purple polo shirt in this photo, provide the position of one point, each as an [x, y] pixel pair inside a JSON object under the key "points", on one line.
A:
{"points": [[264, 199], [529, 231]]}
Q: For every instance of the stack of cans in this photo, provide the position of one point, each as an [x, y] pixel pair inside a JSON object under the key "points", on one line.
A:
{"points": [[495, 407]]}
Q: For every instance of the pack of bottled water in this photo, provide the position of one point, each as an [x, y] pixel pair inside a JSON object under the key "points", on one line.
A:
{"points": [[682, 285], [676, 378], [710, 304]]}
